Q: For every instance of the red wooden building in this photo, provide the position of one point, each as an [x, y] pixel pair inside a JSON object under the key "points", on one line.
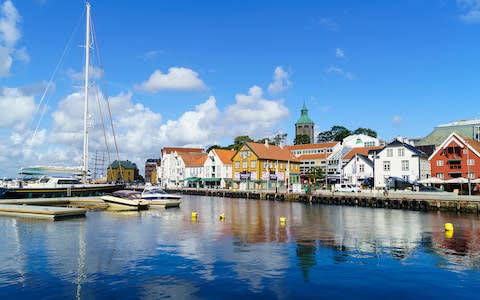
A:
{"points": [[456, 158]]}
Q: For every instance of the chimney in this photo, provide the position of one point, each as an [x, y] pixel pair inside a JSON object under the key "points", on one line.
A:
{"points": [[266, 143]]}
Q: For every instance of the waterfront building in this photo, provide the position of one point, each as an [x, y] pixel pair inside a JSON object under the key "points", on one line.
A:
{"points": [[264, 167], [468, 129], [190, 168], [122, 171], [400, 160], [151, 170], [218, 168], [313, 155], [360, 164], [338, 159], [457, 159], [305, 125], [170, 172]]}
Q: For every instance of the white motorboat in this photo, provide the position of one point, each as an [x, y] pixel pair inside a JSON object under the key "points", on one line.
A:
{"points": [[126, 200], [158, 197]]}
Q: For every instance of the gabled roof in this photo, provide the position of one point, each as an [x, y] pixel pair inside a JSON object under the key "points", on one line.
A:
{"points": [[168, 150], [363, 157], [225, 155], [312, 146], [397, 143], [456, 138], [271, 152], [193, 159], [360, 151], [126, 164]]}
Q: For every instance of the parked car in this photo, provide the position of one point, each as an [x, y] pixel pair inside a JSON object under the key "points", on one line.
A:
{"points": [[346, 187]]}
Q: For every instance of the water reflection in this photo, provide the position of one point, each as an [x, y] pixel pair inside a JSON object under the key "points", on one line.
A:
{"points": [[248, 252]]}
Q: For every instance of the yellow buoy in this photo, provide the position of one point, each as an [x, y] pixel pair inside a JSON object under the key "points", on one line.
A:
{"points": [[194, 215], [222, 216], [283, 219], [449, 234], [448, 227]]}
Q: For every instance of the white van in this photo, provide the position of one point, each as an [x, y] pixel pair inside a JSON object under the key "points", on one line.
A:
{"points": [[346, 187]]}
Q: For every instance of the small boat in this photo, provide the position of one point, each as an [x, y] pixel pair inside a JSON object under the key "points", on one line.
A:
{"points": [[126, 200], [158, 197]]}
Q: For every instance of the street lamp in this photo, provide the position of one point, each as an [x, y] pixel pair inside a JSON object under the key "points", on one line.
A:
{"points": [[468, 172]]}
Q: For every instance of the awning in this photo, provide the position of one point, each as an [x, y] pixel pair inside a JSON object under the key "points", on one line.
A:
{"points": [[211, 179], [192, 179], [454, 161]]}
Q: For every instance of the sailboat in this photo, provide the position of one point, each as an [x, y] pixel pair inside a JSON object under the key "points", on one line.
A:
{"points": [[48, 186]]}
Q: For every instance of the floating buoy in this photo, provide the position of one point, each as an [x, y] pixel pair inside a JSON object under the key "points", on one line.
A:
{"points": [[194, 215], [283, 220], [449, 234], [222, 217], [448, 227]]}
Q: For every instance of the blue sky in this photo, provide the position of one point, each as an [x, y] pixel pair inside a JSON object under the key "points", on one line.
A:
{"points": [[196, 73]]}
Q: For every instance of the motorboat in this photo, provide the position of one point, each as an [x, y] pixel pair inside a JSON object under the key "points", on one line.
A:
{"points": [[126, 200], [158, 197]]}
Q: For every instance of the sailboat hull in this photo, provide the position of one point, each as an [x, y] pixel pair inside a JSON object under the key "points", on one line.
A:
{"points": [[50, 192]]}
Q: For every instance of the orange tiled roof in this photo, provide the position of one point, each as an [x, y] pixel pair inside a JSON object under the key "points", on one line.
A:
{"points": [[168, 150], [193, 159], [313, 156], [272, 152], [312, 146], [361, 151], [474, 144], [225, 155]]}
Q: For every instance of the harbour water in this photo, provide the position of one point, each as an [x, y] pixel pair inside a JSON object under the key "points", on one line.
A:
{"points": [[324, 252]]}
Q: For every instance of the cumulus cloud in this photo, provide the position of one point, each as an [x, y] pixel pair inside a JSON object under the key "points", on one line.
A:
{"points": [[339, 52], [341, 72], [9, 36], [177, 78], [280, 81], [471, 10], [16, 107], [94, 73], [254, 115]]}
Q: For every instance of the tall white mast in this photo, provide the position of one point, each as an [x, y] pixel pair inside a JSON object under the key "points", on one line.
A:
{"points": [[85, 109]]}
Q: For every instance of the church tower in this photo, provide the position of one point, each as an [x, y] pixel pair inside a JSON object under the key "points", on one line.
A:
{"points": [[305, 125]]}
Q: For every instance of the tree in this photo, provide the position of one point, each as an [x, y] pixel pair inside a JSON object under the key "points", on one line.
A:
{"points": [[366, 131], [315, 174], [325, 136], [214, 147], [340, 132], [239, 141], [301, 139], [262, 141]]}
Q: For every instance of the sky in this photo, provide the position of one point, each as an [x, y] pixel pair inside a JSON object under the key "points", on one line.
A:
{"points": [[198, 73]]}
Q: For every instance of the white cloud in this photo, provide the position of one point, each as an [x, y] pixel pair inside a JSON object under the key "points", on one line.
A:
{"points": [[9, 36], [177, 78], [471, 10], [397, 120], [152, 54], [339, 52], [253, 115], [280, 81], [16, 107], [339, 71], [328, 23]]}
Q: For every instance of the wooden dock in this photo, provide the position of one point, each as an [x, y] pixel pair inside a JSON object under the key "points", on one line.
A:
{"points": [[40, 212], [425, 201]]}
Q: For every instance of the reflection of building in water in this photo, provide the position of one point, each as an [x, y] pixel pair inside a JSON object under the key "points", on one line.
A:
{"points": [[306, 257], [460, 248]]}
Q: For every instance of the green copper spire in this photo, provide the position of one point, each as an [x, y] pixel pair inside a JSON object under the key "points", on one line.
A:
{"points": [[304, 118]]}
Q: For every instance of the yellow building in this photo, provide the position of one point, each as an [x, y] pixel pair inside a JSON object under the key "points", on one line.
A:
{"points": [[263, 167], [125, 171]]}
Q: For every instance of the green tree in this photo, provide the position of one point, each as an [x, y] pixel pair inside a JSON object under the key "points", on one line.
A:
{"points": [[239, 141], [325, 137], [279, 139], [315, 174], [301, 139], [340, 132], [366, 131], [214, 147]]}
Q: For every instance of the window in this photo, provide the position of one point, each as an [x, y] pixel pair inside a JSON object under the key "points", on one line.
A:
{"points": [[401, 152], [389, 152], [465, 151], [440, 163], [439, 175], [369, 144], [237, 165], [471, 175], [265, 164], [386, 166], [471, 162], [405, 177], [361, 168], [405, 165], [244, 164], [253, 164]]}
